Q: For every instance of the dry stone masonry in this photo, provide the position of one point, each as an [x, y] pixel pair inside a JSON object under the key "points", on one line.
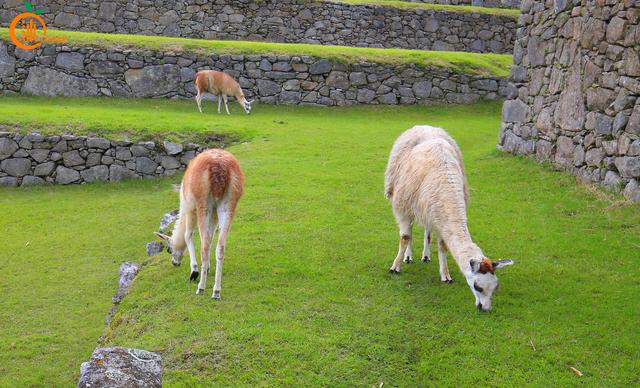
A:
{"points": [[475, 3], [86, 71], [35, 159], [575, 96], [293, 21]]}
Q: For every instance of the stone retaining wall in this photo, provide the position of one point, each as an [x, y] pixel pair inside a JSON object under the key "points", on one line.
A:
{"points": [[292, 21], [575, 97], [476, 3], [86, 71], [35, 159]]}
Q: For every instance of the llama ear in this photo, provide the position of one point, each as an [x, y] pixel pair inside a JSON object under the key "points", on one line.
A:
{"points": [[162, 236], [475, 265], [501, 263]]}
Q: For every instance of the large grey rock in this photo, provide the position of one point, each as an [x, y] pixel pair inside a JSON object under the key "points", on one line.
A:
{"points": [[102, 69], [422, 89], [72, 158], [107, 11], [153, 81], [121, 367], [154, 247], [7, 62], [65, 176], [267, 88], [172, 148], [69, 20], [170, 163], [30, 180], [98, 142], [8, 181], [44, 169], [338, 80], [96, 173], [322, 66], [17, 167], [628, 166], [388, 99], [120, 173], [43, 81], [168, 219], [515, 111], [632, 190], [7, 147], [126, 274], [70, 61], [565, 151], [145, 165], [570, 111]]}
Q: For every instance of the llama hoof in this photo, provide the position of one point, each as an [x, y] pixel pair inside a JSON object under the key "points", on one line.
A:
{"points": [[448, 281], [216, 295], [194, 276], [394, 271], [408, 260], [426, 259], [199, 291], [175, 263]]}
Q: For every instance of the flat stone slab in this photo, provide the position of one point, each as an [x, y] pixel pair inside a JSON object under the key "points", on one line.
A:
{"points": [[121, 367], [154, 247], [127, 273]]}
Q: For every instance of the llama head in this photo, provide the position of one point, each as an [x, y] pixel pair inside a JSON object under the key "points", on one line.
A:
{"points": [[176, 254], [483, 280], [247, 106]]}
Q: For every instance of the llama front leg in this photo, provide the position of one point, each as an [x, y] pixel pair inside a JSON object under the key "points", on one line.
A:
{"points": [[225, 216], [426, 255], [206, 227], [442, 257], [219, 103], [191, 246], [405, 240], [408, 254]]}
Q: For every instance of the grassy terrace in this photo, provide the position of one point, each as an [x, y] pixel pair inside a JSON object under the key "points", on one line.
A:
{"points": [[306, 294], [497, 65], [513, 13]]}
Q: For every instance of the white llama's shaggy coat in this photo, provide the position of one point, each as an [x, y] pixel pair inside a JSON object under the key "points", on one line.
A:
{"points": [[425, 181]]}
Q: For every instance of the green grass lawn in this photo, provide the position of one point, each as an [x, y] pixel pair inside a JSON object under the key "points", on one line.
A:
{"points": [[306, 297], [496, 65]]}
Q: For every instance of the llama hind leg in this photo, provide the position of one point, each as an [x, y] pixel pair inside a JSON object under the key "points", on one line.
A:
{"points": [[199, 101], [225, 217], [442, 257], [405, 238], [408, 254], [206, 227]]}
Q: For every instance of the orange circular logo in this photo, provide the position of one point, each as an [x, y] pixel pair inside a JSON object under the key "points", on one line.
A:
{"points": [[32, 31]]}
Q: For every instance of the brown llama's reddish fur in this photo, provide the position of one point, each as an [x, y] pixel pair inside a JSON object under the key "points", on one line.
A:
{"points": [[211, 189], [221, 85], [214, 171]]}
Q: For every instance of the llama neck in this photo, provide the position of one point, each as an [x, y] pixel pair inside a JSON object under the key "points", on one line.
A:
{"points": [[463, 249], [177, 237], [241, 99]]}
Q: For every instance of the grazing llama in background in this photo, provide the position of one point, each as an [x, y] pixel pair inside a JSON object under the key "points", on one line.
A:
{"points": [[425, 181], [210, 190], [222, 86]]}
